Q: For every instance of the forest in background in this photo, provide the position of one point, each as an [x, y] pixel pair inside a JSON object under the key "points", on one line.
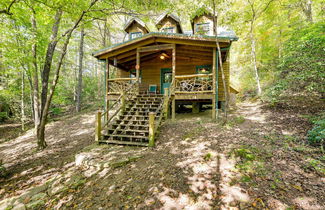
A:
{"points": [[46, 50]]}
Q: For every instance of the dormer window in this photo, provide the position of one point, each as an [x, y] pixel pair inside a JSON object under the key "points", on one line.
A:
{"points": [[202, 28], [134, 35], [168, 30]]}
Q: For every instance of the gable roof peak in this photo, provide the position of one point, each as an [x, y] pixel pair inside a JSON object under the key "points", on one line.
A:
{"points": [[137, 20]]}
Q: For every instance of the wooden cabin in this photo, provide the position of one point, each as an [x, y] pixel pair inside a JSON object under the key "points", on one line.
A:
{"points": [[156, 71], [169, 23]]}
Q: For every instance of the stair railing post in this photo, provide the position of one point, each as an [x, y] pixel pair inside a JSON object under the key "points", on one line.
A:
{"points": [[166, 102], [122, 101], [98, 126], [152, 129]]}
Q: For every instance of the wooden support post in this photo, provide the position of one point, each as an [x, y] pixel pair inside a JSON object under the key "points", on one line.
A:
{"points": [[123, 102], [151, 129], [173, 108], [195, 107], [214, 61], [137, 68], [166, 102], [173, 65], [173, 85], [107, 90], [98, 126]]}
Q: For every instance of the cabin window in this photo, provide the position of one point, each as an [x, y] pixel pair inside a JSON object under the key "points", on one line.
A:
{"points": [[204, 69], [134, 35], [168, 30], [202, 28]]}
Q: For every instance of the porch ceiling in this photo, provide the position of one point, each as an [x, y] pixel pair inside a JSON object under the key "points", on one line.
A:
{"points": [[127, 60], [128, 48]]}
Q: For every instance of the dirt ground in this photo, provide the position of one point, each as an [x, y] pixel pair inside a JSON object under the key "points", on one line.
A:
{"points": [[258, 160]]}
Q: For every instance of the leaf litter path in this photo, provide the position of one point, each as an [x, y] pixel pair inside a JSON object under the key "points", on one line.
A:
{"points": [[196, 164]]}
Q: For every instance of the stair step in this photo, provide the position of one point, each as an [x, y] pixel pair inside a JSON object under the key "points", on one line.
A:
{"points": [[124, 143], [131, 127], [130, 130], [133, 116], [128, 136]]}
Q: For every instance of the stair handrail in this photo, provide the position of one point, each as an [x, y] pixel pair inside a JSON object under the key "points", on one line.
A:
{"points": [[114, 104]]}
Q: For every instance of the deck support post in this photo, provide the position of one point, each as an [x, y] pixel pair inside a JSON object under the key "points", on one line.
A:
{"points": [[173, 85], [106, 91], [98, 126], [214, 67], [137, 68], [166, 103], [173, 108], [151, 129], [195, 107]]}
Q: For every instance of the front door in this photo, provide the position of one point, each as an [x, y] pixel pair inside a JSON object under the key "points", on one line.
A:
{"points": [[165, 79]]}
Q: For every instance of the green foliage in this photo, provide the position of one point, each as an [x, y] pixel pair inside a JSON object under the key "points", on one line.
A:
{"points": [[200, 11], [316, 165], [3, 171], [3, 116], [302, 67], [207, 157], [303, 61], [317, 134], [245, 154]]}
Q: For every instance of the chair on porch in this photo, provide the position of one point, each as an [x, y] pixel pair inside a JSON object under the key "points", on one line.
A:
{"points": [[152, 89]]}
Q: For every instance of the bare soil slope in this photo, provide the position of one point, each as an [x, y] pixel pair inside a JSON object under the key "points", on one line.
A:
{"points": [[257, 160]]}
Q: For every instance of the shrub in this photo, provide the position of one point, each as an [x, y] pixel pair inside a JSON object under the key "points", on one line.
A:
{"points": [[317, 134], [3, 116]]}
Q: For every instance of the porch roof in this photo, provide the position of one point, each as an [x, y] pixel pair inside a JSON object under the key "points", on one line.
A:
{"points": [[198, 40]]}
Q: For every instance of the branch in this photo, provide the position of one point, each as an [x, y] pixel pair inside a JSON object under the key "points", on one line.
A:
{"points": [[265, 8], [7, 11]]}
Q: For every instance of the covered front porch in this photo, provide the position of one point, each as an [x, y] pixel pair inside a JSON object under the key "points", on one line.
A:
{"points": [[185, 72]]}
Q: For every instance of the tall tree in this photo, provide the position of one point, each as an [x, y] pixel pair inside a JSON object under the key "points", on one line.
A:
{"points": [[81, 55], [215, 27], [47, 101], [256, 9]]}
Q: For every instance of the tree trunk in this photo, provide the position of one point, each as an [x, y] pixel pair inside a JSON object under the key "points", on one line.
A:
{"points": [[253, 52], [35, 76], [81, 55], [22, 100], [215, 27], [49, 58]]}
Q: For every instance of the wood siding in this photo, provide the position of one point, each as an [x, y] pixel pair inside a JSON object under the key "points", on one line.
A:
{"points": [[167, 23], [136, 27], [203, 19]]}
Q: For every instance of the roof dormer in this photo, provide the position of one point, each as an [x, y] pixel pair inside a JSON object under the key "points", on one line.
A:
{"points": [[135, 28], [202, 22], [169, 23]]}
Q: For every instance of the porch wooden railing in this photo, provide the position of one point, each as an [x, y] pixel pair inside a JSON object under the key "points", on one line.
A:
{"points": [[194, 83], [119, 85], [118, 106]]}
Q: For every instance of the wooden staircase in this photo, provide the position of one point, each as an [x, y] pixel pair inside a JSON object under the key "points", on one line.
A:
{"points": [[131, 126]]}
